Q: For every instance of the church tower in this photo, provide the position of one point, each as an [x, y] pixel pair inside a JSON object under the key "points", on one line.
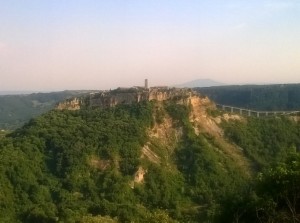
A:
{"points": [[146, 83]]}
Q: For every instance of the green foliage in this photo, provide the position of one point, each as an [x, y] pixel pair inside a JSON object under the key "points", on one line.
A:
{"points": [[159, 216], [46, 171], [209, 176], [214, 112], [15, 110], [257, 97], [264, 140], [280, 185], [162, 189], [274, 197], [78, 166], [178, 112], [97, 219], [3, 133]]}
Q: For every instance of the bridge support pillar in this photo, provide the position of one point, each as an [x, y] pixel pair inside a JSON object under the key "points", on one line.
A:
{"points": [[231, 110], [241, 111], [249, 113], [257, 114]]}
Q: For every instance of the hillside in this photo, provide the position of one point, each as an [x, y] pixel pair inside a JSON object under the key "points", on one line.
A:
{"points": [[257, 97], [175, 160], [15, 110]]}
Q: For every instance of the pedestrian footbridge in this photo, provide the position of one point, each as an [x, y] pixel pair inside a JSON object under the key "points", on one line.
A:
{"points": [[249, 112]]}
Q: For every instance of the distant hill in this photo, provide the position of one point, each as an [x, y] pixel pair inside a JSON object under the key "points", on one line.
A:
{"points": [[16, 92], [15, 110], [200, 83], [258, 97]]}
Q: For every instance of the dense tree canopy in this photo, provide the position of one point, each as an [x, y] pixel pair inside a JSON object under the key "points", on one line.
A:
{"points": [[79, 166], [16, 110], [278, 97]]}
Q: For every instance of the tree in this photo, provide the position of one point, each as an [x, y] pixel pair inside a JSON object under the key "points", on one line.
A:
{"points": [[281, 185]]}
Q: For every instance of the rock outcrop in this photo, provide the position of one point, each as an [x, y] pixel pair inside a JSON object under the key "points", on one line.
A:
{"points": [[106, 99], [70, 104]]}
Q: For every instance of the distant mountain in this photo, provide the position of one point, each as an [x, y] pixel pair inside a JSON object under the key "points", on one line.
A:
{"points": [[200, 83], [16, 92]]}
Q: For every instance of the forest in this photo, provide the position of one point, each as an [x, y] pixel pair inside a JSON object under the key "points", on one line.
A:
{"points": [[280, 97], [16, 110], [78, 166]]}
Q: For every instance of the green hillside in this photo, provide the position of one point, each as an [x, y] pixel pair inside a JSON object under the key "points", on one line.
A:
{"points": [[278, 97], [15, 110], [150, 162]]}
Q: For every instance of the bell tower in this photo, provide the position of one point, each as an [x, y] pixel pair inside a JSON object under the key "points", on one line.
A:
{"points": [[146, 83]]}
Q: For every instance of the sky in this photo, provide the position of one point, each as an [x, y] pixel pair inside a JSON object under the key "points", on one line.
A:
{"points": [[101, 44]]}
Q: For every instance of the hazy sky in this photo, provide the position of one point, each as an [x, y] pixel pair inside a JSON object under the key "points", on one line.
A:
{"points": [[102, 44]]}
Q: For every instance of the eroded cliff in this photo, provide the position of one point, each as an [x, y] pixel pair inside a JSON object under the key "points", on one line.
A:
{"points": [[107, 99]]}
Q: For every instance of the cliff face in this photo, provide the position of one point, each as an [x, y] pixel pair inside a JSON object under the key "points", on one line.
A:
{"points": [[111, 99], [163, 94], [70, 104], [106, 99]]}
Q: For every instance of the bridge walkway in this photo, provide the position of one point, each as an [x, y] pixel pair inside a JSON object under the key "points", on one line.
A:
{"points": [[249, 112]]}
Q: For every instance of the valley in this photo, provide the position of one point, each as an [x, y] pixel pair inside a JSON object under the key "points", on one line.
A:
{"points": [[177, 159]]}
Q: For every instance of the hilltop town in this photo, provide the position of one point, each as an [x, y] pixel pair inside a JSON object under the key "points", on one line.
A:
{"points": [[111, 98]]}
